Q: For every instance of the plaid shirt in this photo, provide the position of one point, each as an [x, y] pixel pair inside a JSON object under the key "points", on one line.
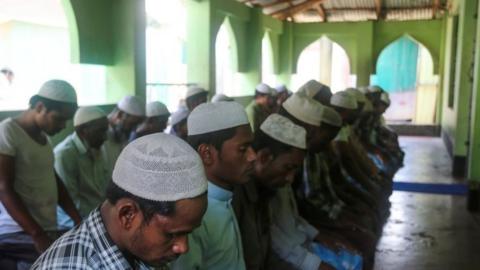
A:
{"points": [[87, 246]]}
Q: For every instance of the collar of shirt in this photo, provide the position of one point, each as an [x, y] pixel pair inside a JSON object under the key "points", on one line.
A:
{"points": [[219, 193], [81, 147], [105, 245]]}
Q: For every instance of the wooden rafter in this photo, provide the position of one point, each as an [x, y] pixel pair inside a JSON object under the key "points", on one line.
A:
{"points": [[289, 12], [373, 10], [274, 3], [435, 7], [321, 12], [378, 8]]}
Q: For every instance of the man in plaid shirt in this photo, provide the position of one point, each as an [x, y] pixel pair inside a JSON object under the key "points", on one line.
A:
{"points": [[157, 197]]}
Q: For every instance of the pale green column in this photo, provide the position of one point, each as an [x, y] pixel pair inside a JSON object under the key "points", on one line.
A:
{"points": [[474, 147], [463, 84]]}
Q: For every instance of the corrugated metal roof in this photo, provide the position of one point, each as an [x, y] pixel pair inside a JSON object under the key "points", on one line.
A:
{"points": [[351, 15], [350, 10], [407, 3], [412, 14], [341, 4]]}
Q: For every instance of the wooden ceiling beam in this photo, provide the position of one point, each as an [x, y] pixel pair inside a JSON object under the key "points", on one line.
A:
{"points": [[274, 3], [321, 12], [378, 9], [390, 9], [289, 12], [435, 7]]}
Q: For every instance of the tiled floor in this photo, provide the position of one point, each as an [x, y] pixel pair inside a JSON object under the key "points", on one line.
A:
{"points": [[428, 231], [426, 161]]}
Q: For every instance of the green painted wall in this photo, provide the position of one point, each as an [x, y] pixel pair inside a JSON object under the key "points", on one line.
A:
{"points": [[474, 147], [448, 121], [363, 41], [459, 125], [110, 33]]}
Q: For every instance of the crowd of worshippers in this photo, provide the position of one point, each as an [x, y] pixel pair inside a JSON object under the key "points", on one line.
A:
{"points": [[294, 181]]}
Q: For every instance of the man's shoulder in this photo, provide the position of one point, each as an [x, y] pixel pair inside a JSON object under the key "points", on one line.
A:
{"points": [[73, 250], [65, 146]]}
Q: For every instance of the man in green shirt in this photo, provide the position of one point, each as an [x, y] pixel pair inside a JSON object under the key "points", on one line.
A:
{"points": [[79, 164], [261, 106]]}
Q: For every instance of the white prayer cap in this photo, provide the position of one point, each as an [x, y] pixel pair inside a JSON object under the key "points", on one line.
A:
{"points": [[374, 89], [264, 89], [210, 117], [157, 108], [331, 117], [281, 88], [58, 90], [359, 96], [87, 114], [384, 97], [304, 109], [179, 115], [131, 105], [160, 167], [221, 97], [193, 90], [344, 100], [284, 130], [311, 88]]}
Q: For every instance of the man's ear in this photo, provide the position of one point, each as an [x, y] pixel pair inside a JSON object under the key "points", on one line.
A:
{"points": [[39, 106], [128, 213], [208, 153]]}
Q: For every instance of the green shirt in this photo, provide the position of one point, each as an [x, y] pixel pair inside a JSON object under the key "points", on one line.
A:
{"points": [[216, 244], [84, 173], [256, 114]]}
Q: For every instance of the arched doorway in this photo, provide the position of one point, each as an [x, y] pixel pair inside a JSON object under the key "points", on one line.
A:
{"points": [[326, 61], [226, 77], [42, 24], [165, 51], [268, 75], [405, 70]]}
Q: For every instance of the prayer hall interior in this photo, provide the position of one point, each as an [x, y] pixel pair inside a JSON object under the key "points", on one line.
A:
{"points": [[378, 98]]}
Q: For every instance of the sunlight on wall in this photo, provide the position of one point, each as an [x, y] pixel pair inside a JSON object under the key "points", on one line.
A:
{"points": [[268, 76], [226, 79], [37, 52]]}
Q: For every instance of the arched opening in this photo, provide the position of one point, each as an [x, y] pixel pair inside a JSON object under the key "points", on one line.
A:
{"points": [[325, 61], [226, 76], [43, 25], [405, 69], [268, 75], [165, 51]]}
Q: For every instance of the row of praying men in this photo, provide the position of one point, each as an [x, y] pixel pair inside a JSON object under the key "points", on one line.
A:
{"points": [[294, 181]]}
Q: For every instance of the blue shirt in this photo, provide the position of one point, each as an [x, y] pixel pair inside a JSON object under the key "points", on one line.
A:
{"points": [[217, 243]]}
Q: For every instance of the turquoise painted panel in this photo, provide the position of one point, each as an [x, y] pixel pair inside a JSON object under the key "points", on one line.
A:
{"points": [[397, 66]]}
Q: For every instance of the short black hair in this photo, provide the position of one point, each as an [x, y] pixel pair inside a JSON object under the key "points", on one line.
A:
{"points": [[216, 138], [50, 104], [148, 207], [262, 141]]}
